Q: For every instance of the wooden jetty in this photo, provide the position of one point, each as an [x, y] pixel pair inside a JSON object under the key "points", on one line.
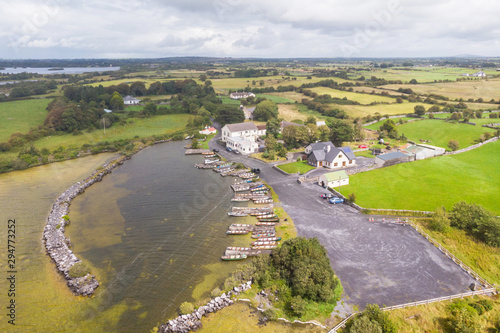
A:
{"points": [[198, 152]]}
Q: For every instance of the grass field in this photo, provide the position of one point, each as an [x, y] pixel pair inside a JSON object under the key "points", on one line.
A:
{"points": [[427, 184], [441, 132], [383, 109], [421, 74], [276, 99], [376, 126], [487, 89], [295, 167], [378, 91], [20, 116], [290, 112], [361, 98], [136, 127]]}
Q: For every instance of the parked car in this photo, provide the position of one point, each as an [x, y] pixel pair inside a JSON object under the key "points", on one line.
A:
{"points": [[229, 149], [237, 152], [215, 150], [326, 196], [256, 170], [336, 200], [362, 146]]}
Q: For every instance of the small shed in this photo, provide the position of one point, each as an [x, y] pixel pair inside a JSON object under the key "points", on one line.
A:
{"points": [[334, 179]]}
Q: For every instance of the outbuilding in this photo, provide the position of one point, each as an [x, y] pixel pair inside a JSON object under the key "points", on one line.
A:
{"points": [[334, 179], [393, 158]]}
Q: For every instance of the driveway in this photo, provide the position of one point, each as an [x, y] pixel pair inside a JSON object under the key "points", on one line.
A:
{"points": [[376, 262]]}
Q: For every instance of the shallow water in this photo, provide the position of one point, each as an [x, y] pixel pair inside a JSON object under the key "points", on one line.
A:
{"points": [[153, 232]]}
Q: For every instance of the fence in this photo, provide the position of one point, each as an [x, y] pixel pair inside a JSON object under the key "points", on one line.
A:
{"points": [[412, 304]]}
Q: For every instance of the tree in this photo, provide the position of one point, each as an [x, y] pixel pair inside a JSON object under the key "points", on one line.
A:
{"points": [[138, 88], [150, 109], [413, 81], [340, 131], [186, 308], [229, 114], [372, 319], [399, 100], [324, 133], [440, 221], [310, 120], [116, 102], [453, 145], [194, 143], [390, 127], [273, 127], [203, 77], [294, 136], [265, 110], [419, 110], [434, 108]]}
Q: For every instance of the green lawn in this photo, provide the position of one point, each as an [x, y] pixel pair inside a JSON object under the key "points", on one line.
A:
{"points": [[361, 98], [295, 167], [20, 116], [276, 99], [376, 126], [146, 127], [441, 132], [426, 184]]}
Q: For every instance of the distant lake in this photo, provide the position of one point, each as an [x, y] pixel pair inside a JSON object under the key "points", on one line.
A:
{"points": [[65, 70]]}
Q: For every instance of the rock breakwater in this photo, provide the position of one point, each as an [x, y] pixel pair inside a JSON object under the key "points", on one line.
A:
{"points": [[192, 321], [58, 246]]}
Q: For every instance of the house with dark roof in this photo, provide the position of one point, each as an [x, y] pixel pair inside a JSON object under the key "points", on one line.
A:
{"points": [[325, 154]]}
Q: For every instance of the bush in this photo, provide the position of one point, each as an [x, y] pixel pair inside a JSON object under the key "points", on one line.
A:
{"points": [[270, 314], [80, 269], [216, 292], [186, 308], [298, 306], [352, 197], [453, 145], [439, 221]]}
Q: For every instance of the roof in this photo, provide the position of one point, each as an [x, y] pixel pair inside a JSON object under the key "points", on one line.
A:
{"points": [[130, 98], [336, 175], [321, 145], [320, 123], [261, 127], [242, 127], [284, 124], [391, 156], [348, 152]]}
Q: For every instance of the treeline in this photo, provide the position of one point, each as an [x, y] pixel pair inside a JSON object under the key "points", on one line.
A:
{"points": [[29, 88]]}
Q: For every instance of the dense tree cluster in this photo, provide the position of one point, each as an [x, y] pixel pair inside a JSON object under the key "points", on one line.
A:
{"points": [[265, 110], [29, 88], [372, 320], [477, 221]]}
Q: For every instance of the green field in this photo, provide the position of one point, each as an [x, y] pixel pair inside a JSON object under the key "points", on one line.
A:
{"points": [[487, 89], [276, 99], [427, 184], [383, 109], [376, 126], [295, 167], [20, 116], [361, 98], [146, 127], [421, 74], [441, 132]]}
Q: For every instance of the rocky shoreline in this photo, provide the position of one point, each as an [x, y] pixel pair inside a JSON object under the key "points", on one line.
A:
{"points": [[192, 321], [58, 246]]}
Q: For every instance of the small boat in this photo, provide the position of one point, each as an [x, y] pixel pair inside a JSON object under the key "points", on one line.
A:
{"points": [[266, 223], [269, 239], [270, 219], [262, 201], [261, 242], [255, 213], [259, 186], [238, 225], [266, 216], [234, 257], [264, 235], [237, 214], [237, 232], [259, 189], [264, 247], [238, 248], [240, 199]]}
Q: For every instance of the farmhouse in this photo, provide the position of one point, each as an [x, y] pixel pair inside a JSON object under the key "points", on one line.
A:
{"points": [[261, 130], [240, 95], [334, 179], [325, 154], [394, 158], [320, 123], [479, 74], [129, 100], [242, 137]]}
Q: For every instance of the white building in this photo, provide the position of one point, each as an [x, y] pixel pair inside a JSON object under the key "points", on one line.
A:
{"points": [[334, 179], [208, 130], [479, 74], [242, 137], [240, 95], [129, 100]]}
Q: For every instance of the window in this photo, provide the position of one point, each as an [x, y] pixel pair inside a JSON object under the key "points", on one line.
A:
{"points": [[335, 164], [350, 162]]}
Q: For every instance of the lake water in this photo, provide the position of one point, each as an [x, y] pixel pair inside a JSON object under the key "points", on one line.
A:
{"points": [[153, 232], [66, 70]]}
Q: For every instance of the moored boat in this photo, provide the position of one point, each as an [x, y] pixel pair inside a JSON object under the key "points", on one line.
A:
{"points": [[264, 247], [240, 199], [238, 248], [266, 223], [237, 214], [262, 201], [270, 239], [237, 232], [234, 257], [270, 219], [261, 242]]}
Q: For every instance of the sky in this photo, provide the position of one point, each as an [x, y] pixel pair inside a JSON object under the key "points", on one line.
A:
{"points": [[41, 29]]}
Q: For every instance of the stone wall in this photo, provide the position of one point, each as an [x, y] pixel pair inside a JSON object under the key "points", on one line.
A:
{"points": [[58, 246], [192, 321], [472, 147]]}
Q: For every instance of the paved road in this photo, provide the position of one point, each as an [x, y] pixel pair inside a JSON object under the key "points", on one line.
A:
{"points": [[376, 262]]}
